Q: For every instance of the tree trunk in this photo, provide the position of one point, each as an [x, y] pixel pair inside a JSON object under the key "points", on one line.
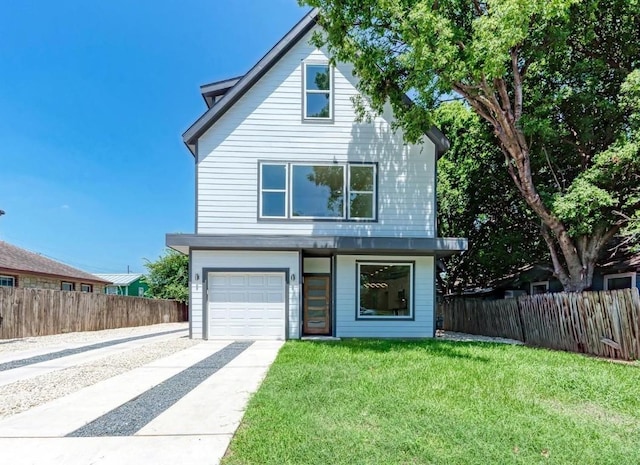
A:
{"points": [[573, 259]]}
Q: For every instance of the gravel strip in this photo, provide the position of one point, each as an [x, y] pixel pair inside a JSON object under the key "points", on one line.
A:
{"points": [[88, 337], [77, 350], [132, 416], [463, 337], [23, 395]]}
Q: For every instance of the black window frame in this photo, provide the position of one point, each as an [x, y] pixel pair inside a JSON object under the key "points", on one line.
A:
{"points": [[411, 293]]}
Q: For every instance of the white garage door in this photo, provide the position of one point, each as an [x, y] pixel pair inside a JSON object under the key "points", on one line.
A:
{"points": [[246, 305]]}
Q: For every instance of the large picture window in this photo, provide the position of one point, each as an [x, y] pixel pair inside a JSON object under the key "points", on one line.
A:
{"points": [[317, 92], [318, 191], [385, 290]]}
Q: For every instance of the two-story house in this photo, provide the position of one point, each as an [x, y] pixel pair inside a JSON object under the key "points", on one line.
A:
{"points": [[308, 222]]}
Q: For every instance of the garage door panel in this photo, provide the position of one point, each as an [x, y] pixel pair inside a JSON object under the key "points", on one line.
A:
{"points": [[246, 305]]}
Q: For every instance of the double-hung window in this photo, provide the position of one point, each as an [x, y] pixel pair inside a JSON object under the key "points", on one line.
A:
{"points": [[317, 90], [67, 286], [317, 191]]}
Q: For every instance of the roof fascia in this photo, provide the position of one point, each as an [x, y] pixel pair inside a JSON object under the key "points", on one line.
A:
{"points": [[248, 80], [214, 89]]}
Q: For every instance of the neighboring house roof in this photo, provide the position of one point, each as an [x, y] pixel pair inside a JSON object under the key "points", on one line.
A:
{"points": [[223, 95], [14, 259], [123, 279]]}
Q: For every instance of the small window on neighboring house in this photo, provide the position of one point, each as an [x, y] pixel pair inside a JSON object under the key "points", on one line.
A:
{"points": [[86, 287], [66, 286], [8, 281], [111, 290], [141, 292], [619, 281], [541, 287], [317, 92]]}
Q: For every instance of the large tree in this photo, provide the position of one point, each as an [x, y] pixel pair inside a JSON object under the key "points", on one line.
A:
{"points": [[476, 200], [554, 79]]}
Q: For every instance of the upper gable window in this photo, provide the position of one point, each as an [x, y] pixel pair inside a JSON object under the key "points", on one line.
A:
{"points": [[317, 92]]}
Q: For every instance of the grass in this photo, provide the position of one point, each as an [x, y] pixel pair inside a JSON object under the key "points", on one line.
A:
{"points": [[438, 402]]}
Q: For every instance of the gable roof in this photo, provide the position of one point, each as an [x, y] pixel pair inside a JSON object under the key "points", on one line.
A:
{"points": [[227, 94], [120, 279], [15, 259]]}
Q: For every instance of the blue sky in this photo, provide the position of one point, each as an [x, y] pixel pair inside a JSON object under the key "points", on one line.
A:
{"points": [[94, 97]]}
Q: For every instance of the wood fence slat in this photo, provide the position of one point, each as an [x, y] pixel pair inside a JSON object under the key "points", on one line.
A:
{"points": [[604, 323], [41, 312]]}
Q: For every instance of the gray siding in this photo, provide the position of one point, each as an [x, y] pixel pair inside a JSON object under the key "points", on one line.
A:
{"points": [[348, 326]]}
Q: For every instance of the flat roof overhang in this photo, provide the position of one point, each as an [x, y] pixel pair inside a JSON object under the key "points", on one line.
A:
{"points": [[321, 245]]}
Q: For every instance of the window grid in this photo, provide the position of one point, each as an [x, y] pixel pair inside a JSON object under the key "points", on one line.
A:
{"points": [[346, 191]]}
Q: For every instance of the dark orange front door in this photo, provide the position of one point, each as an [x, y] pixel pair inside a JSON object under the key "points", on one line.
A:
{"points": [[317, 305]]}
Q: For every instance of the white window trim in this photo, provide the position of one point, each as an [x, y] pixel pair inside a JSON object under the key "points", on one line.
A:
{"points": [[410, 292], [539, 283], [630, 274], [316, 91], [288, 192], [12, 278], [73, 286], [89, 286]]}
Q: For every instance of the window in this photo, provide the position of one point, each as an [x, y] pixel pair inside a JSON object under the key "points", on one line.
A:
{"points": [[619, 281], [361, 191], [66, 286], [8, 281], [317, 92], [274, 190], [318, 191], [385, 290], [541, 287], [141, 292], [86, 287]]}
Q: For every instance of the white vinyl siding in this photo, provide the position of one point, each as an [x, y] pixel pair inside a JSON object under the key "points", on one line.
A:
{"points": [[346, 301], [243, 260], [265, 125]]}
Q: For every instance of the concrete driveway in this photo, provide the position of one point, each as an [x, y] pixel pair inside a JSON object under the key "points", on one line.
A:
{"points": [[180, 408]]}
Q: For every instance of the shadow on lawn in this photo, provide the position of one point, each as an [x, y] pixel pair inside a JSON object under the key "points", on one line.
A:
{"points": [[450, 349]]}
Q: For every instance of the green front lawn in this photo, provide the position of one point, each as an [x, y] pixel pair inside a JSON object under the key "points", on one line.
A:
{"points": [[435, 402]]}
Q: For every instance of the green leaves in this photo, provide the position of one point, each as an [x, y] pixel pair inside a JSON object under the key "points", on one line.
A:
{"points": [[168, 277]]}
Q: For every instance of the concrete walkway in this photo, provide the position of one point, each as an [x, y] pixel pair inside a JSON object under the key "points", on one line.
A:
{"points": [[197, 427]]}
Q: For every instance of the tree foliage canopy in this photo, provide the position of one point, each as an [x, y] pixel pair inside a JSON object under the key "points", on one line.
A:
{"points": [[556, 80], [477, 200], [168, 276]]}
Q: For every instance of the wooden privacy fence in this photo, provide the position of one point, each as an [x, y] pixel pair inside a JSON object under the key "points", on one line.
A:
{"points": [[41, 312], [605, 323]]}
